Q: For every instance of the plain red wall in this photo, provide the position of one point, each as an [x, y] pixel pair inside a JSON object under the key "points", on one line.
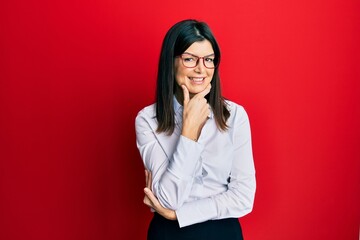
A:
{"points": [[74, 74]]}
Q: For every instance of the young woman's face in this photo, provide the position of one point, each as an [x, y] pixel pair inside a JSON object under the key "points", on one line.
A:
{"points": [[197, 78]]}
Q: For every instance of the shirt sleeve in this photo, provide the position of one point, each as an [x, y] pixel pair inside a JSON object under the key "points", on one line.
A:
{"points": [[172, 175], [238, 200]]}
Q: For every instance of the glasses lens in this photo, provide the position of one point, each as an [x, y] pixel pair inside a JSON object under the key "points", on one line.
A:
{"points": [[209, 62], [189, 60]]}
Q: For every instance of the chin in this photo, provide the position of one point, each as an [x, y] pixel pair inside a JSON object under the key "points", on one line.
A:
{"points": [[197, 88]]}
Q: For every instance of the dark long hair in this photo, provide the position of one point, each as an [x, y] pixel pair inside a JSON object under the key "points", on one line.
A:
{"points": [[176, 41]]}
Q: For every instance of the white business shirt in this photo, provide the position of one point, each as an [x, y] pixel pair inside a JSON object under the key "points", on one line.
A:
{"points": [[212, 178]]}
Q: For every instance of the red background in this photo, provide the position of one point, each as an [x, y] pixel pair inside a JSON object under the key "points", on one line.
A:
{"points": [[74, 74]]}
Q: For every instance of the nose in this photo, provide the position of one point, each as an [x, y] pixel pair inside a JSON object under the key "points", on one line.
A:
{"points": [[200, 66]]}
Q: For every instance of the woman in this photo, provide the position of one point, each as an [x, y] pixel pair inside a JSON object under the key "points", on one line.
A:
{"points": [[196, 146]]}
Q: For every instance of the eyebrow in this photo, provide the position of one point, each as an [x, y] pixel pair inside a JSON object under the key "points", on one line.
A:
{"points": [[212, 54]]}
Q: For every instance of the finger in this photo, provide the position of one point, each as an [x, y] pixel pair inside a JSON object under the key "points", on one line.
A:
{"points": [[146, 177], [147, 201], [205, 111], [150, 181], [152, 198], [186, 94], [204, 92]]}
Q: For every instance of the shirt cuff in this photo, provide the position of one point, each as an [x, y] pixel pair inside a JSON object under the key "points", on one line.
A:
{"points": [[196, 212]]}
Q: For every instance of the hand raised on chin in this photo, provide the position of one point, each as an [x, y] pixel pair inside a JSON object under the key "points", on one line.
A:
{"points": [[196, 112]]}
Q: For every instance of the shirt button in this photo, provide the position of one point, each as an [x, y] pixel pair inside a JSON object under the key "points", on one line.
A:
{"points": [[204, 173]]}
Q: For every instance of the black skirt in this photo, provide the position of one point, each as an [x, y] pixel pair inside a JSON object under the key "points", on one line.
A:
{"points": [[224, 229]]}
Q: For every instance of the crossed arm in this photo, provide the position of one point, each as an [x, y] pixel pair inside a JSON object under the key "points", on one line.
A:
{"points": [[168, 183], [151, 201], [196, 111]]}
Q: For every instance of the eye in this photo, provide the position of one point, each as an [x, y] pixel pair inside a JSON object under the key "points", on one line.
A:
{"points": [[189, 59], [209, 60]]}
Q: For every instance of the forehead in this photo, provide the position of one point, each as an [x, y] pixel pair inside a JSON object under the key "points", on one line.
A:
{"points": [[201, 48]]}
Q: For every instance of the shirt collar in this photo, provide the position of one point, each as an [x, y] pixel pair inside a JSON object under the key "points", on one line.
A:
{"points": [[177, 106]]}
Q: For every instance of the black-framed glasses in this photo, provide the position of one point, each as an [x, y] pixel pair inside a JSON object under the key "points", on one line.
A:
{"points": [[190, 60]]}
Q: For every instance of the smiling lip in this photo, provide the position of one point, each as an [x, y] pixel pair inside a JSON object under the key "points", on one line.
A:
{"points": [[197, 79]]}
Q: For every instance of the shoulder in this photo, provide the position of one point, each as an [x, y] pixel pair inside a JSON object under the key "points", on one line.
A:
{"points": [[147, 112], [234, 108], [237, 112], [146, 124], [146, 119]]}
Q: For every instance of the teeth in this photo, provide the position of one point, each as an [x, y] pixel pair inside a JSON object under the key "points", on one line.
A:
{"points": [[196, 79]]}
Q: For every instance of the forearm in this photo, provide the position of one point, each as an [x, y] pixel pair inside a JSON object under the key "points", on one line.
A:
{"points": [[173, 186], [236, 202]]}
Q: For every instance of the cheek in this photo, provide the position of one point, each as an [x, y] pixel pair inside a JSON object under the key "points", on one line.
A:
{"points": [[178, 69], [181, 74], [179, 77], [211, 74]]}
